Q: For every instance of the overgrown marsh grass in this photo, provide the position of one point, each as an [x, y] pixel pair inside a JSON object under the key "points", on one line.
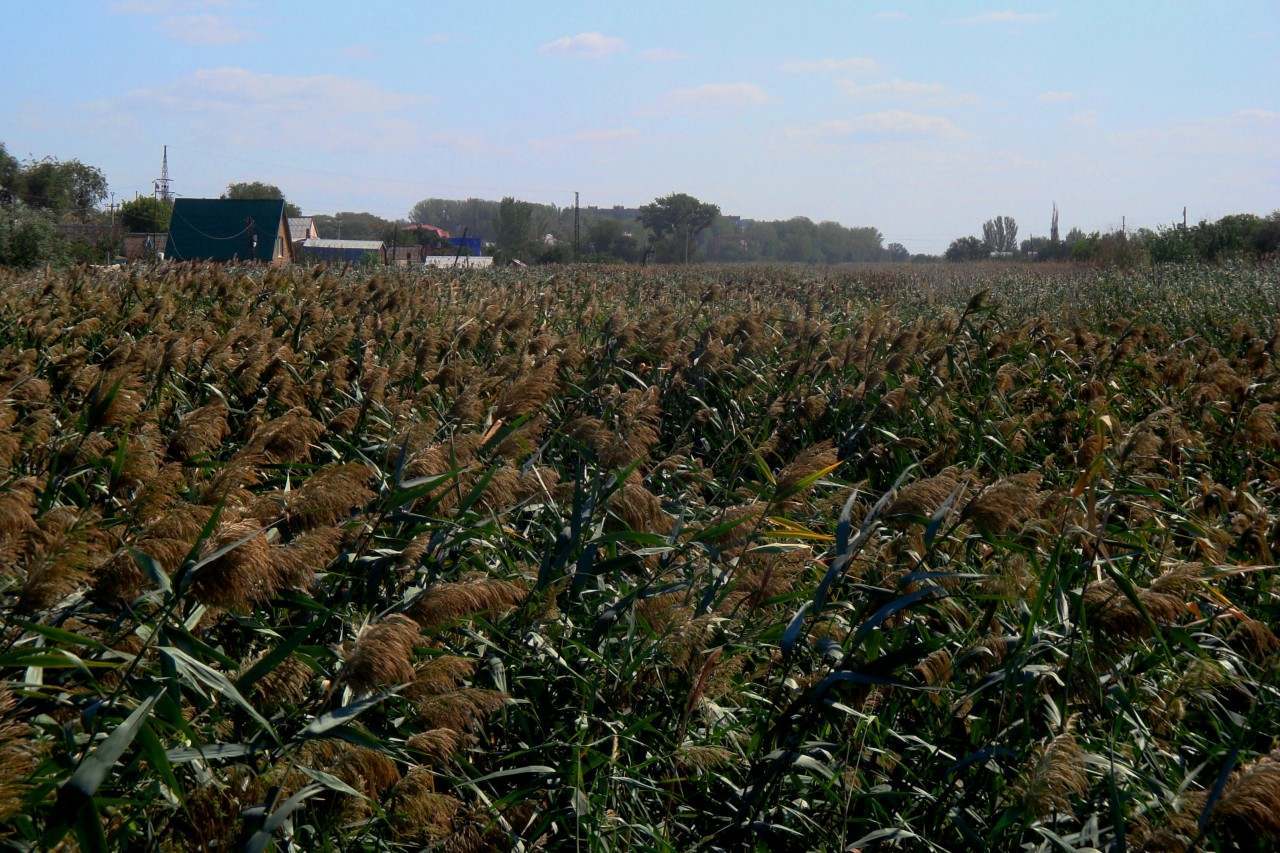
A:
{"points": [[618, 559]]}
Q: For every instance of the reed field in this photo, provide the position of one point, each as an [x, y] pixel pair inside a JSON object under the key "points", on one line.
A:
{"points": [[614, 558]]}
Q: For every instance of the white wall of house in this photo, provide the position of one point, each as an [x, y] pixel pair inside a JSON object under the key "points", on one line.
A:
{"points": [[462, 261]]}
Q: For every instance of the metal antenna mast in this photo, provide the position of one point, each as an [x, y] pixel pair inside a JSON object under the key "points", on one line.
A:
{"points": [[161, 188]]}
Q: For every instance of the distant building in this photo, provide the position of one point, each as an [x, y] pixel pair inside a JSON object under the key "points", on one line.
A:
{"points": [[144, 246], [226, 229], [322, 251], [422, 228], [406, 255], [469, 245], [470, 261], [301, 228]]}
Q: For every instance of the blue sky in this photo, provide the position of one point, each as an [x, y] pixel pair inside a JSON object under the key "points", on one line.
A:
{"points": [[921, 119]]}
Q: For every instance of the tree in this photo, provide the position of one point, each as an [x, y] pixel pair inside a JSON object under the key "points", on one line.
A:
{"points": [[678, 217], [258, 189], [62, 186], [967, 249], [10, 176], [349, 225], [1001, 234], [514, 221], [608, 237], [1036, 247], [28, 238], [897, 252], [146, 214]]}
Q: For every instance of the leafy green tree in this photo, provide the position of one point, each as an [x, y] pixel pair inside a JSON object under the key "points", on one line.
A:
{"points": [[62, 186], [258, 189], [29, 237], [609, 238], [515, 219], [10, 176], [146, 214], [1001, 234], [967, 249], [678, 218], [350, 225], [897, 252], [1035, 246]]}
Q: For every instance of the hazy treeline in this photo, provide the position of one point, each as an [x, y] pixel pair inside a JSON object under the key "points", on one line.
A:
{"points": [[1240, 235]]}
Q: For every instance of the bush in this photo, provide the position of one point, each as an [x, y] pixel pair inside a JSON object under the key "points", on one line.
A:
{"points": [[967, 249], [29, 238], [146, 214]]}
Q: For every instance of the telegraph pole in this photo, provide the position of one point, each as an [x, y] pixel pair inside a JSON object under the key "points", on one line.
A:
{"points": [[575, 225]]}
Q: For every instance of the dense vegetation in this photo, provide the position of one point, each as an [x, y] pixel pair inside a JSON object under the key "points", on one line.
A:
{"points": [[1240, 236], [610, 558]]}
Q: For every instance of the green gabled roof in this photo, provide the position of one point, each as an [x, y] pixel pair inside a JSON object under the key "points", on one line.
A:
{"points": [[222, 229]]}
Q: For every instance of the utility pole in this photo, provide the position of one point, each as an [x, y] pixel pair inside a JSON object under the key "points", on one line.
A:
{"points": [[575, 225], [1184, 217], [1124, 231], [112, 232]]}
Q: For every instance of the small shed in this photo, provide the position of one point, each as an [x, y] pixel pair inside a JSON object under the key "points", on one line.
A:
{"points": [[144, 246], [229, 229], [406, 255], [322, 251], [301, 228]]}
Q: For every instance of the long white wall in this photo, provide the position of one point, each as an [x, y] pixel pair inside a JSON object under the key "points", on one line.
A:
{"points": [[463, 261]]}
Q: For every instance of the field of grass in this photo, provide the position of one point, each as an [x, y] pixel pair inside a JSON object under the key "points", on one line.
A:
{"points": [[921, 558]]}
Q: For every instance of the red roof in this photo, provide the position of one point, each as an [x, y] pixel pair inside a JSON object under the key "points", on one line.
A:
{"points": [[439, 232]]}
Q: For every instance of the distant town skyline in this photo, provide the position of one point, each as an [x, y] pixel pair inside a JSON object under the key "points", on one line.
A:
{"points": [[920, 119]]}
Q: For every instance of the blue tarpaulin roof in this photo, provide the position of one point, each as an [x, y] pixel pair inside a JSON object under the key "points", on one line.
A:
{"points": [[472, 244]]}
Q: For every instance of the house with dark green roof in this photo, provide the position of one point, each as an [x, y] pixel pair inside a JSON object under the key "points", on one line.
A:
{"points": [[229, 229]]}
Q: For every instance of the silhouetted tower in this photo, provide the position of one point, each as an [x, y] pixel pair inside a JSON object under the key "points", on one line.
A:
{"points": [[1053, 225], [161, 188]]}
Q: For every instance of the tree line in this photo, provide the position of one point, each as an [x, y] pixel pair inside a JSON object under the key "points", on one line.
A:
{"points": [[1237, 236], [46, 199]]}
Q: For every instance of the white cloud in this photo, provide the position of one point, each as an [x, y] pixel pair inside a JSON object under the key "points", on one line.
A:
{"points": [[1057, 97], [596, 137], [891, 15], [892, 88], [934, 94], [814, 66], [888, 123], [161, 7], [238, 88], [588, 45], [1260, 115], [202, 29], [717, 95], [359, 52], [239, 108], [661, 54], [1007, 16], [1084, 118]]}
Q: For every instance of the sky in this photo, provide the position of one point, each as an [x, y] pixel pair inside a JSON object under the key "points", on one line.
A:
{"points": [[920, 119]]}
